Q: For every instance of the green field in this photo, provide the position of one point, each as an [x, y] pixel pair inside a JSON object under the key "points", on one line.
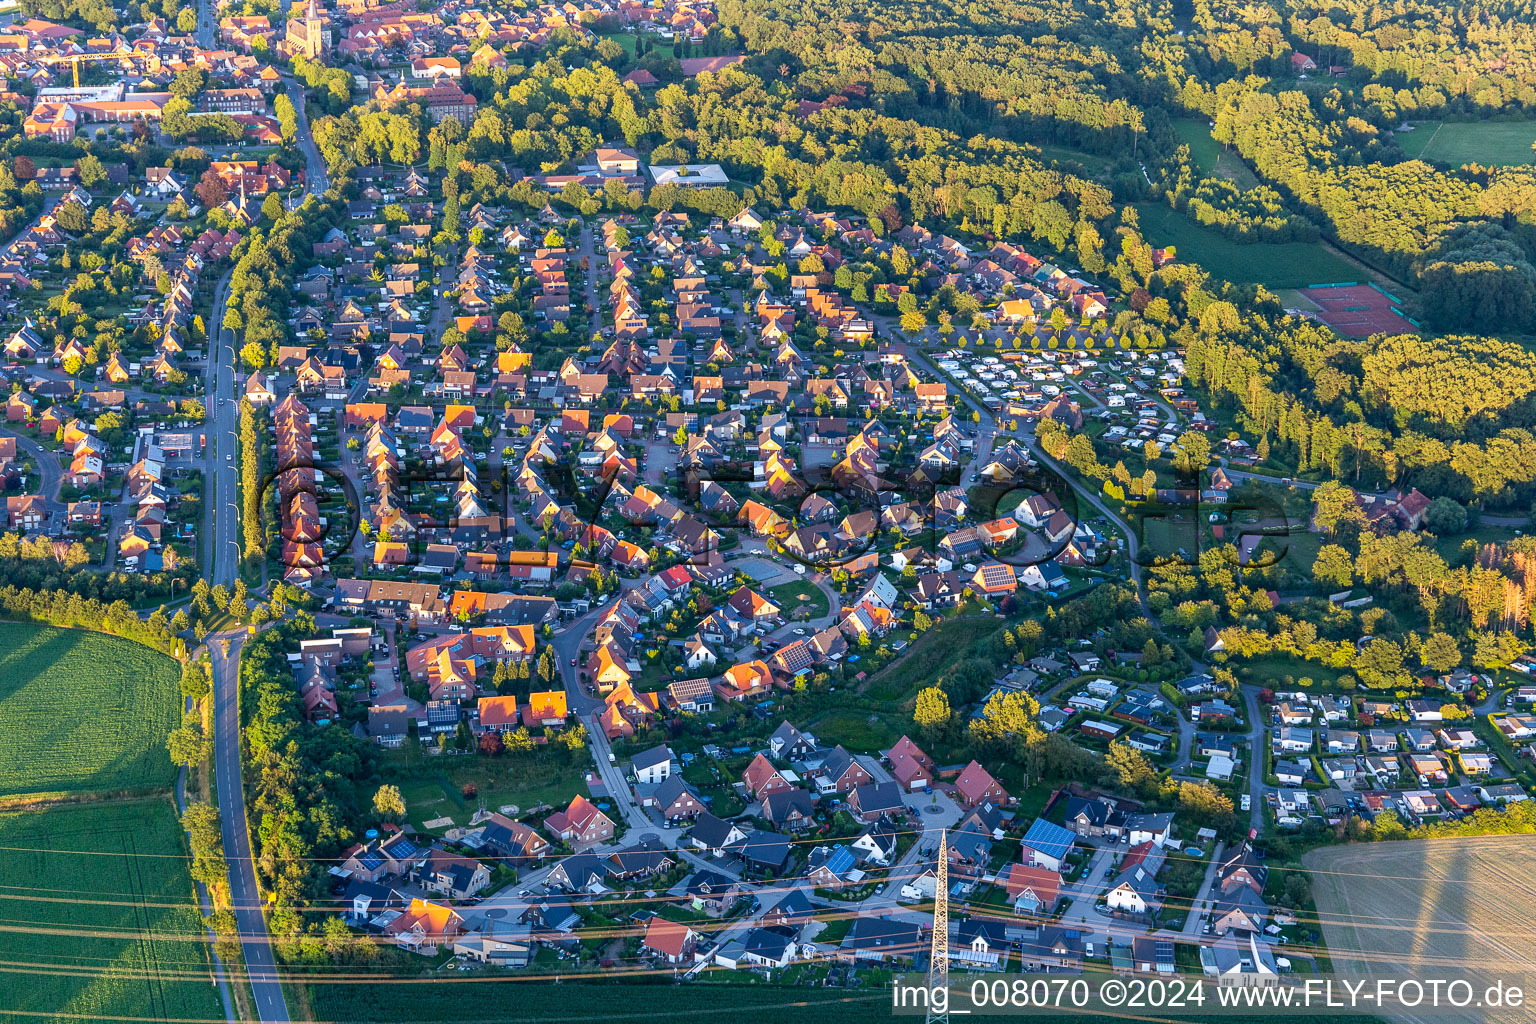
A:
{"points": [[799, 600], [83, 712], [101, 917], [626, 40], [859, 731], [1274, 265], [1490, 143], [934, 653], [1208, 155], [1091, 163], [714, 997], [433, 785]]}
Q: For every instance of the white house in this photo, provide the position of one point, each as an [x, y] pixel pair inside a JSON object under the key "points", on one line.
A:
{"points": [[653, 766], [1135, 892]]}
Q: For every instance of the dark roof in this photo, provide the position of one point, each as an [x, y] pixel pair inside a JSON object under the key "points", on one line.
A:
{"points": [[899, 937], [710, 831], [1096, 812], [709, 884], [795, 906], [671, 790], [878, 796], [836, 763], [656, 755], [768, 943], [780, 805], [988, 928], [766, 849], [400, 847]]}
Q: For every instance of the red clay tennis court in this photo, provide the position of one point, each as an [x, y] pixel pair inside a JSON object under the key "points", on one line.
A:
{"points": [[1359, 310]]}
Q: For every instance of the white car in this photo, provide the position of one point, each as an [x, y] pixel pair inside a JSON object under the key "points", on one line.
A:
{"points": [[1247, 802]]}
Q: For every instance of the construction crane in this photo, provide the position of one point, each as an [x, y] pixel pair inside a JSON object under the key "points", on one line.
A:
{"points": [[74, 60]]}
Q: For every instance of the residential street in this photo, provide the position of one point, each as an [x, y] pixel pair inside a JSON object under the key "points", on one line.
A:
{"points": [[221, 514], [50, 469], [1256, 788]]}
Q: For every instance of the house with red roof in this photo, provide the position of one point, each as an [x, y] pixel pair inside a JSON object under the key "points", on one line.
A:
{"points": [[675, 579], [746, 679], [910, 773], [976, 786], [669, 940], [498, 714], [995, 578], [580, 823], [1031, 889], [424, 926], [762, 778]]}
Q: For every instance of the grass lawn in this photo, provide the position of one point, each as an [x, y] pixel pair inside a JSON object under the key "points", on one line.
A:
{"points": [[82, 711], [1091, 163], [1495, 143], [859, 731], [1168, 533], [1271, 671], [433, 785], [1032, 802], [1300, 550], [624, 39], [1450, 548], [799, 600], [103, 907], [930, 656], [1274, 265], [1208, 156]]}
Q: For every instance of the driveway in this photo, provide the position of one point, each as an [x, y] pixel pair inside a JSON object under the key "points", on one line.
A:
{"points": [[1202, 906]]}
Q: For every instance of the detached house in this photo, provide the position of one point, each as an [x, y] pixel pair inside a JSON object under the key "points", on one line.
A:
{"points": [[975, 786], [580, 823]]}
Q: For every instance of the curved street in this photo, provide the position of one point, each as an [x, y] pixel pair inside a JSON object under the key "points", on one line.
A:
{"points": [[50, 469]]}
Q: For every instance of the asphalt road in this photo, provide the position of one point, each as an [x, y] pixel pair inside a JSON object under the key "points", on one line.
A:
{"points": [[222, 516], [49, 470], [221, 560], [260, 964], [1256, 718]]}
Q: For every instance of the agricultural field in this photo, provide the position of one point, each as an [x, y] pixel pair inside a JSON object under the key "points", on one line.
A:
{"points": [[102, 913], [1415, 906], [1490, 143], [471, 1002], [1272, 264], [83, 712]]}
